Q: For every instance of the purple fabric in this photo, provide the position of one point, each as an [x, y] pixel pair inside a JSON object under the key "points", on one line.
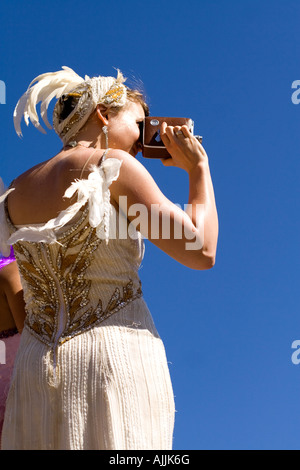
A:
{"points": [[5, 260]]}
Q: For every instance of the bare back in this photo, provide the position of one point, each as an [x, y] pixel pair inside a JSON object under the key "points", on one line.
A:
{"points": [[38, 195]]}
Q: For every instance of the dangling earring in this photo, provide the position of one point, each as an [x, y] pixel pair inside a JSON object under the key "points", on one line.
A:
{"points": [[105, 132]]}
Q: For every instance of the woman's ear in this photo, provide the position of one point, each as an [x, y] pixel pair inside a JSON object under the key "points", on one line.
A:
{"points": [[102, 114]]}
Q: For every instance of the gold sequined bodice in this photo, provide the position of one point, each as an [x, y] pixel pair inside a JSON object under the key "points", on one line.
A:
{"points": [[74, 285]]}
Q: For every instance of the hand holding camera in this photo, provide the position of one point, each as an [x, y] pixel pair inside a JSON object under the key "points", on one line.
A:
{"points": [[172, 141], [185, 149]]}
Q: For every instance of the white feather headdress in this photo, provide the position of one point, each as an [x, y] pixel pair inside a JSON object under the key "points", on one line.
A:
{"points": [[91, 91]]}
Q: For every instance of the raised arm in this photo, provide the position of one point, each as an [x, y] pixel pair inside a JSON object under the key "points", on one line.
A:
{"points": [[189, 236], [187, 153]]}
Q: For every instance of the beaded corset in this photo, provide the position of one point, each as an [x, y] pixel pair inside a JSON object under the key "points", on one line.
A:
{"points": [[76, 274]]}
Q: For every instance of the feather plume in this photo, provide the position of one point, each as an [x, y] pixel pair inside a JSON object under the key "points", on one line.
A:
{"points": [[43, 89]]}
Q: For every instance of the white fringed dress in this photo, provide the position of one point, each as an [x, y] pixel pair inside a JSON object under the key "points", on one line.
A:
{"points": [[91, 370]]}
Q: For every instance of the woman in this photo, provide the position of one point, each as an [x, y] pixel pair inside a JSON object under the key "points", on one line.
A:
{"points": [[91, 371], [12, 315]]}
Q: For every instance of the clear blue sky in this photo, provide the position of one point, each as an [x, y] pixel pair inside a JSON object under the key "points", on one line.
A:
{"points": [[230, 66]]}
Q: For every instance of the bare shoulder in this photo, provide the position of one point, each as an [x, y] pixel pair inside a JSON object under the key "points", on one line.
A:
{"points": [[130, 165], [134, 181], [124, 157]]}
